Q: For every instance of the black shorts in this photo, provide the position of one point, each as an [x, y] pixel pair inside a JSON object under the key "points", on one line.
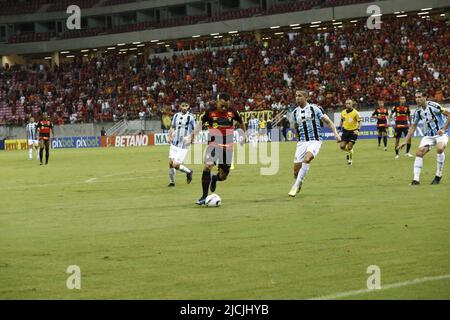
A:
{"points": [[401, 131], [382, 130], [219, 156], [349, 136]]}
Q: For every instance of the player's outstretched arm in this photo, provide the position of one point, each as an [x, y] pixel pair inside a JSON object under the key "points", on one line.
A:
{"points": [[331, 125]]}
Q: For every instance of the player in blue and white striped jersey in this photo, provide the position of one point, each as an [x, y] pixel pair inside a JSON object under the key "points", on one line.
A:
{"points": [[180, 136], [32, 138], [309, 119], [253, 130], [433, 116]]}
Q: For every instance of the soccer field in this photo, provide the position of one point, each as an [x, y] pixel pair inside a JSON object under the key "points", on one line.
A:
{"points": [[110, 212]]}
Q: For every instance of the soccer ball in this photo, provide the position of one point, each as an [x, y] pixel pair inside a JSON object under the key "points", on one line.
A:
{"points": [[213, 200]]}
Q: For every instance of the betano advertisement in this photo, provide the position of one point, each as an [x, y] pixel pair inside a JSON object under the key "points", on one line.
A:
{"points": [[140, 140]]}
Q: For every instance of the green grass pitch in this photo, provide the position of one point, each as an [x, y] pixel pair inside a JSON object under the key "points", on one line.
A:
{"points": [[110, 212]]}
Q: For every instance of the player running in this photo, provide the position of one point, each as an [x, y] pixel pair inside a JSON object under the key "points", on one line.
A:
{"points": [[432, 114], [382, 116], [32, 138], [253, 131], [309, 119], [220, 142], [45, 127], [180, 136], [402, 121], [351, 124]]}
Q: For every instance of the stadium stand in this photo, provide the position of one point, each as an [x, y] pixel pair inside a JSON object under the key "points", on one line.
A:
{"points": [[166, 23], [11, 7], [332, 65]]}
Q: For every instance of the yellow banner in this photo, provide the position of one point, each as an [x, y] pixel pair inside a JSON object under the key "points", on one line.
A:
{"points": [[20, 144], [260, 115]]}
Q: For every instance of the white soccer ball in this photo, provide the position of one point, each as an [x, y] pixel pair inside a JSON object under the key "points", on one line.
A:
{"points": [[213, 200]]}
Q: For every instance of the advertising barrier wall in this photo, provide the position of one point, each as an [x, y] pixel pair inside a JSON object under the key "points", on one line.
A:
{"points": [[20, 144], [75, 142], [2, 144], [140, 140]]}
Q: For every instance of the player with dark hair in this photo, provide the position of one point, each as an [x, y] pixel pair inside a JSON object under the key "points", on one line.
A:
{"points": [[309, 120], [432, 115], [180, 137], [44, 126], [219, 152], [382, 116], [350, 124], [402, 121]]}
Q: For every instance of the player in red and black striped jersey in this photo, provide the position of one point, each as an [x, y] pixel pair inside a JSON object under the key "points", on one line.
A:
{"points": [[219, 152], [45, 127], [382, 115], [402, 121]]}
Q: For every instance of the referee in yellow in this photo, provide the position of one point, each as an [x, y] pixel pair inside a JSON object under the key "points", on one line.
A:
{"points": [[351, 124]]}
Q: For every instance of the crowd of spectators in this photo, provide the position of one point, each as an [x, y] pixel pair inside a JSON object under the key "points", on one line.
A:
{"points": [[260, 74]]}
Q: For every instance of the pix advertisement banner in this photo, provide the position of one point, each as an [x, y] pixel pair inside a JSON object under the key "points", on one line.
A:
{"points": [[75, 142], [140, 140], [2, 144], [16, 144]]}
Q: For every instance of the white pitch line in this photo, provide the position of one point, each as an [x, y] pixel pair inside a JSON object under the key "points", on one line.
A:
{"points": [[386, 287], [90, 180]]}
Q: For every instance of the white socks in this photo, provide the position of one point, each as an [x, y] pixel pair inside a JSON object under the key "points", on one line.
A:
{"points": [[30, 153], [440, 158], [301, 175], [184, 169], [172, 173], [418, 164]]}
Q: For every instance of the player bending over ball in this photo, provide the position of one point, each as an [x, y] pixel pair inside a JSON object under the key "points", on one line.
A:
{"points": [[219, 152], [180, 136], [309, 119], [432, 114]]}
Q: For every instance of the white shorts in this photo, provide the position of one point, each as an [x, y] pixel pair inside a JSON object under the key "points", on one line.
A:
{"points": [[306, 146], [32, 142], [177, 154], [434, 140]]}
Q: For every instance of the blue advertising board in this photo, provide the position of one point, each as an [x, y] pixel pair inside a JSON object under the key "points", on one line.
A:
{"points": [[76, 142]]}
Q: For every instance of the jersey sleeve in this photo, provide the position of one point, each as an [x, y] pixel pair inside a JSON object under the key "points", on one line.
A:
{"points": [[416, 117], [173, 124], [192, 123], [436, 107], [319, 112], [357, 117]]}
